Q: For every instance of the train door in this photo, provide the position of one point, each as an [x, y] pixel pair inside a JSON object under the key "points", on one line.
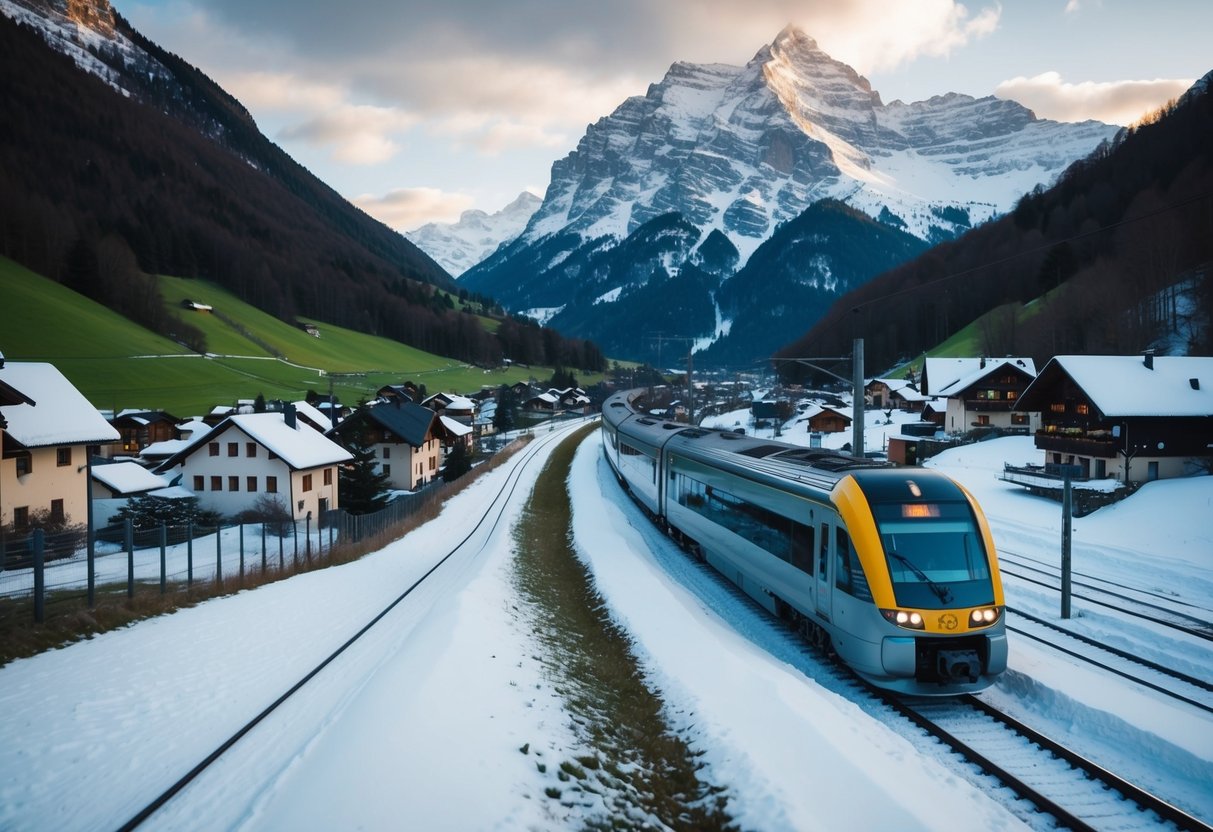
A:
{"points": [[823, 570]]}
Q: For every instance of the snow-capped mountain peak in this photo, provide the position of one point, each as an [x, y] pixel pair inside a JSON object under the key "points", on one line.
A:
{"points": [[460, 245]]}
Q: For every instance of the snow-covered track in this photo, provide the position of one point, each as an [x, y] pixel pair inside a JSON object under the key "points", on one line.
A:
{"points": [[489, 520], [1121, 662], [1123, 600], [1076, 792]]}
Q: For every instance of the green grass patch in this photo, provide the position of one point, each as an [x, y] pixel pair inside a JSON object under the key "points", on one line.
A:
{"points": [[95, 348], [640, 766]]}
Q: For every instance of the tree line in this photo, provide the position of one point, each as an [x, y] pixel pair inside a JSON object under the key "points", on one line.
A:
{"points": [[99, 191]]}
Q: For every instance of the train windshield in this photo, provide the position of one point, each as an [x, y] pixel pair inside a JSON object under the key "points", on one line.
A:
{"points": [[935, 554]]}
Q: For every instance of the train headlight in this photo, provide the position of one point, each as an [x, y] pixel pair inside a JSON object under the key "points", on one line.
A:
{"points": [[903, 618], [984, 616]]}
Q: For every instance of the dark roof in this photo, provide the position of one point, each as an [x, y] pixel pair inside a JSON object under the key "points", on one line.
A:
{"points": [[411, 422]]}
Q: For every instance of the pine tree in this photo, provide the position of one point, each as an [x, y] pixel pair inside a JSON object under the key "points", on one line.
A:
{"points": [[457, 463], [363, 487]]}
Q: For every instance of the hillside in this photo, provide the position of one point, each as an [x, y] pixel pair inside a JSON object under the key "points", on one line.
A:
{"points": [[1114, 243], [117, 364], [118, 159]]}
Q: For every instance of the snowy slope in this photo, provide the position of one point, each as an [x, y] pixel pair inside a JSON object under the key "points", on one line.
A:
{"points": [[460, 245]]}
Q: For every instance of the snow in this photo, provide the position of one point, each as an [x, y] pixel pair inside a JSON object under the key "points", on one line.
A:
{"points": [[300, 447], [1124, 386], [423, 723], [60, 415], [128, 477]]}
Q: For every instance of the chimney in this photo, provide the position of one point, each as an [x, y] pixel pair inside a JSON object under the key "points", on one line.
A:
{"points": [[1149, 359], [288, 415], [983, 363], [1195, 382]]}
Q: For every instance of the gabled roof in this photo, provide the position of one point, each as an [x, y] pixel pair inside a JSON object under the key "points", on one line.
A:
{"points": [[300, 447], [409, 421], [54, 412], [951, 376], [1122, 385], [128, 478], [457, 429], [313, 416]]}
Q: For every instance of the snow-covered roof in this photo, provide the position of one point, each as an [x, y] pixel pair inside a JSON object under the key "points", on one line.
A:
{"points": [[300, 447], [173, 492], [458, 403], [128, 477], [60, 415], [457, 428], [321, 421], [950, 376], [1122, 385], [547, 397], [194, 428]]}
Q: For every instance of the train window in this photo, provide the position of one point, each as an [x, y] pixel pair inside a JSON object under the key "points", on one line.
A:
{"points": [[781, 536], [936, 560], [849, 575], [823, 556]]}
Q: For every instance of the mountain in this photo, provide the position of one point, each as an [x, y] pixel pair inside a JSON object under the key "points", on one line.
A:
{"points": [[741, 150], [1114, 258], [460, 245]]}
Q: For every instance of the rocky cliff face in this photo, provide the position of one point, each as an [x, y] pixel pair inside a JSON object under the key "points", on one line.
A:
{"points": [[742, 149]]}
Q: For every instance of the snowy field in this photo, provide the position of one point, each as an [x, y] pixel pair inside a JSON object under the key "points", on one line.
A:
{"points": [[420, 725]]}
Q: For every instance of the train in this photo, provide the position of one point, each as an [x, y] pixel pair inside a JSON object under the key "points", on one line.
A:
{"points": [[893, 569]]}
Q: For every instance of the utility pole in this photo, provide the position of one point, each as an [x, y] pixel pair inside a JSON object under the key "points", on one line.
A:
{"points": [[856, 383]]}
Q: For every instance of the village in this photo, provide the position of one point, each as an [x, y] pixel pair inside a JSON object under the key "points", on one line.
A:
{"points": [[1107, 423]]}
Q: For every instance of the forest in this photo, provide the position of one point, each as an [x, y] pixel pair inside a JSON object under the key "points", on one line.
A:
{"points": [[99, 191]]}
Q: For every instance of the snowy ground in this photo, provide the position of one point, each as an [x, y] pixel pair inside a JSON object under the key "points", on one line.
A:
{"points": [[420, 725]]}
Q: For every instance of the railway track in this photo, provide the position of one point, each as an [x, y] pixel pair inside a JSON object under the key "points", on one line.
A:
{"points": [[1078, 793], [1166, 611], [472, 543], [1181, 686]]}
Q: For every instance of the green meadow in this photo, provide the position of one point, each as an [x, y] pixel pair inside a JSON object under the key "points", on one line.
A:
{"points": [[118, 364]]}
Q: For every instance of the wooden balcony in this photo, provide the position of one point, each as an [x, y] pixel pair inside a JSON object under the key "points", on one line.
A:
{"points": [[1077, 443]]}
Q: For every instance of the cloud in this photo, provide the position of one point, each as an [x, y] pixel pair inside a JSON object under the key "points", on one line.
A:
{"points": [[1114, 102], [357, 134], [408, 208]]}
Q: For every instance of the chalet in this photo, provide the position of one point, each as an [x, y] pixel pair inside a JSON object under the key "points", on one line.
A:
{"points": [[158, 452], [895, 393], [249, 455], [1124, 417], [541, 403], [406, 439], [571, 398], [981, 392], [47, 431], [114, 483], [456, 433], [826, 419], [139, 428]]}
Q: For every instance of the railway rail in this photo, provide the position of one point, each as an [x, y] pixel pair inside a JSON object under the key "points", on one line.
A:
{"points": [[1131, 601], [1040, 769], [474, 541]]}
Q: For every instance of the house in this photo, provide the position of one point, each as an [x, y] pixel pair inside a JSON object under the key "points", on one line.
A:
{"points": [[49, 430], [981, 392], [1130, 418], [895, 393], [406, 439], [826, 419], [571, 398], [157, 452], [116, 482], [541, 403], [405, 392], [460, 408], [456, 433], [249, 455], [139, 428]]}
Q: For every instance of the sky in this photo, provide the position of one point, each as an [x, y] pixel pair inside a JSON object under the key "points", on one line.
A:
{"points": [[421, 109]]}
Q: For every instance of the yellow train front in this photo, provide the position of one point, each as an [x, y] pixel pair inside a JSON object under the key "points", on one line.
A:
{"points": [[893, 567], [932, 581]]}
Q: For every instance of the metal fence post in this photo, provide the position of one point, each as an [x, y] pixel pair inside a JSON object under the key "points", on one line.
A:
{"points": [[36, 549], [1067, 512], [281, 550], [295, 539], [218, 557], [242, 551], [189, 552], [129, 535], [307, 537], [262, 547], [163, 557]]}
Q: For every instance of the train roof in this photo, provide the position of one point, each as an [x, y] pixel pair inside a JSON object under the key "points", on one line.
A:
{"points": [[813, 467]]}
